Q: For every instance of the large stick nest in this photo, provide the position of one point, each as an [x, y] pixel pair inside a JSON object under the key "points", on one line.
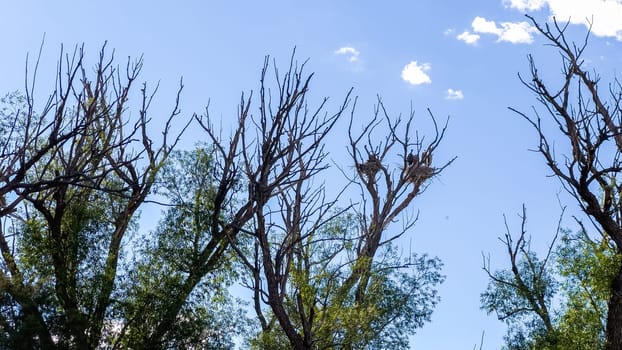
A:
{"points": [[419, 169], [371, 167]]}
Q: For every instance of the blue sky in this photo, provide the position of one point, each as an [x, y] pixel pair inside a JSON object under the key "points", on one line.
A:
{"points": [[458, 58]]}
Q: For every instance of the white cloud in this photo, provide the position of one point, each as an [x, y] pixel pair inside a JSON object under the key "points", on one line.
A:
{"points": [[415, 73], [468, 37], [512, 32], [454, 94], [517, 32], [482, 25], [522, 5], [604, 15], [448, 31], [352, 53]]}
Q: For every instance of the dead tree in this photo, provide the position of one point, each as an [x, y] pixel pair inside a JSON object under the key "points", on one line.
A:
{"points": [[90, 150], [281, 155], [315, 276], [285, 227], [388, 189], [269, 210], [589, 118], [297, 269], [268, 154]]}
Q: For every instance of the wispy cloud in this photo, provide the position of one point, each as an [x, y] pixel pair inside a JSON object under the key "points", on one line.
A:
{"points": [[604, 16], [468, 37], [415, 73], [454, 94], [350, 52]]}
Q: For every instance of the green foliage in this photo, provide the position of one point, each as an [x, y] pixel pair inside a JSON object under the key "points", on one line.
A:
{"points": [[578, 278], [513, 301], [399, 298], [587, 267], [170, 257], [85, 226], [13, 109], [79, 273], [510, 300]]}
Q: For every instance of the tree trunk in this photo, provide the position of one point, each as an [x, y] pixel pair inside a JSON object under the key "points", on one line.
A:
{"points": [[614, 316]]}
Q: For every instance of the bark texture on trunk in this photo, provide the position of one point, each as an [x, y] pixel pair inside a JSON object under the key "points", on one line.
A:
{"points": [[614, 315]]}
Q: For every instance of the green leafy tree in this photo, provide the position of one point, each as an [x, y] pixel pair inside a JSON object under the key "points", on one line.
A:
{"points": [[586, 267], [175, 299], [521, 296], [399, 299], [61, 249], [576, 272]]}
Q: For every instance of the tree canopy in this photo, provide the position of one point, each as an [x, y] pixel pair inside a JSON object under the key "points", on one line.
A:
{"points": [[249, 210], [252, 248]]}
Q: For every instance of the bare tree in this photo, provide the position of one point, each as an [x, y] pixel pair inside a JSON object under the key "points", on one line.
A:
{"points": [[89, 151], [279, 151], [302, 247], [589, 118], [388, 190], [31, 138], [297, 133]]}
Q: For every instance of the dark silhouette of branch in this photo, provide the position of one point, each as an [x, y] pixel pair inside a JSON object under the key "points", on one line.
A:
{"points": [[589, 120]]}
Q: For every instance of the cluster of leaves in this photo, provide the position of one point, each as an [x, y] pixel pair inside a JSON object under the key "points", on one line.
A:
{"points": [[586, 267]]}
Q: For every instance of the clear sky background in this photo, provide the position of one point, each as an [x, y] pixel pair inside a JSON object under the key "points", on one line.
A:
{"points": [[458, 58]]}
